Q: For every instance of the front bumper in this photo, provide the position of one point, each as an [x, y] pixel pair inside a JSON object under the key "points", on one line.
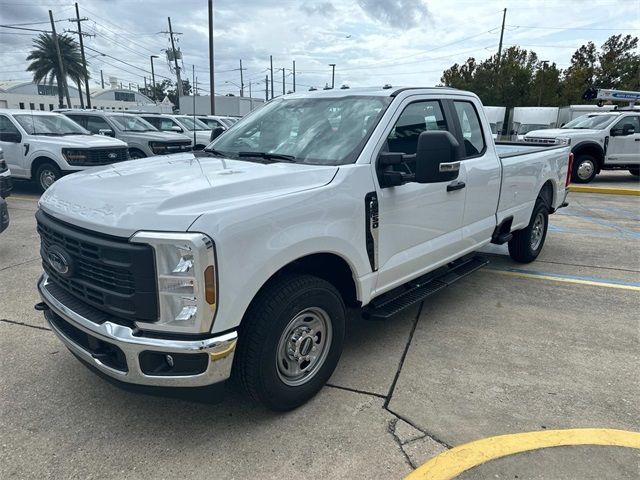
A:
{"points": [[6, 185], [127, 350]]}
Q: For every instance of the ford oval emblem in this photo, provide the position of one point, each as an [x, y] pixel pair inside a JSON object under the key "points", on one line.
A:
{"points": [[60, 261], [112, 156]]}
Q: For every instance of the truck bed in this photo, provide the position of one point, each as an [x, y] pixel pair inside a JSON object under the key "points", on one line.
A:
{"points": [[513, 149]]}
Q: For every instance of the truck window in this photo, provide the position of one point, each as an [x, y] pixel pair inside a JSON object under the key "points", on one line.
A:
{"points": [[79, 119], [6, 126], [95, 123], [471, 128], [418, 117], [631, 120]]}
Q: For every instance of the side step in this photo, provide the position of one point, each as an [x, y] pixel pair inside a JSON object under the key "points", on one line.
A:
{"points": [[393, 302]]}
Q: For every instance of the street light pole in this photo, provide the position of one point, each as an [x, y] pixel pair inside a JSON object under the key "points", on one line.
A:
{"points": [[333, 74], [153, 78]]}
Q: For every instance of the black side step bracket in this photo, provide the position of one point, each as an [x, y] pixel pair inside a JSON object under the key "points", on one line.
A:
{"points": [[393, 302]]}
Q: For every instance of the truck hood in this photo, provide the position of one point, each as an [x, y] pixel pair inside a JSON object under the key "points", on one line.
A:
{"points": [[562, 132], [157, 136], [169, 192], [80, 141]]}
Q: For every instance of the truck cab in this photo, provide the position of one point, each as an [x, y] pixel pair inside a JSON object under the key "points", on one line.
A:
{"points": [[607, 140]]}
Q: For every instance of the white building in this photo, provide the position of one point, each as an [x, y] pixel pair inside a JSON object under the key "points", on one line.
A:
{"points": [[31, 96], [231, 106]]}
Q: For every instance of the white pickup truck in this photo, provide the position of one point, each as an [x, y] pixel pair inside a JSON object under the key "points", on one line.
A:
{"points": [[184, 271], [600, 141]]}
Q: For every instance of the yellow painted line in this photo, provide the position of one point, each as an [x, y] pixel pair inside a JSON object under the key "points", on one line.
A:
{"points": [[459, 459], [606, 190], [565, 280]]}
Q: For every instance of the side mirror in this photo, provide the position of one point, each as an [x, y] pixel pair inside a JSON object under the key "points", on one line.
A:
{"points": [[437, 157], [13, 137], [176, 129], [106, 131], [215, 133]]}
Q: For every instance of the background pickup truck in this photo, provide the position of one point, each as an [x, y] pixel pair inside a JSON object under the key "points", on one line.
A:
{"points": [[241, 263], [600, 141]]}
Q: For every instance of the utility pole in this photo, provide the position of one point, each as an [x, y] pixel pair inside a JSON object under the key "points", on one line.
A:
{"points": [[84, 60], [101, 79], [193, 76], [175, 60], [63, 79], [544, 65], [294, 75], [250, 90], [271, 62], [504, 16], [196, 85], [283, 81], [266, 88], [153, 78], [241, 81], [333, 74], [212, 87]]}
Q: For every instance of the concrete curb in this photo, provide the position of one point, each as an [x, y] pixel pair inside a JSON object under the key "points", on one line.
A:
{"points": [[605, 190]]}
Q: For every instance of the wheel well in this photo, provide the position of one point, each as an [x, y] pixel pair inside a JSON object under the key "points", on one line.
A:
{"points": [[137, 150], [39, 161], [546, 194], [329, 267], [591, 149]]}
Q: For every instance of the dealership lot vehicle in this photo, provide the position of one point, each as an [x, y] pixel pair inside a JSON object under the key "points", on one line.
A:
{"points": [[599, 141], [144, 139], [196, 130], [44, 146], [346, 175], [6, 184]]}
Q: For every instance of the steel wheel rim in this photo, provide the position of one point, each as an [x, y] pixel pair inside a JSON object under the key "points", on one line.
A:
{"points": [[537, 231], [585, 169], [304, 346], [47, 178]]}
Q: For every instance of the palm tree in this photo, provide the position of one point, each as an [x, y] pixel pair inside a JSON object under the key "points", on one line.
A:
{"points": [[44, 65]]}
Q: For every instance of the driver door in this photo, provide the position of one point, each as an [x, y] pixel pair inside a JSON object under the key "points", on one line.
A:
{"points": [[624, 149], [420, 224], [11, 144]]}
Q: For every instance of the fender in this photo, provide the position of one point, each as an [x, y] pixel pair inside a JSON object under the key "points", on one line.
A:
{"points": [[589, 144], [63, 166]]}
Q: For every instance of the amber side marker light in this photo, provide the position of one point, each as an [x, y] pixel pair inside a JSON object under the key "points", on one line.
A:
{"points": [[210, 285]]}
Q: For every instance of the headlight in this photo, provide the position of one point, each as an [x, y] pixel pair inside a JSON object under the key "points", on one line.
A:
{"points": [[186, 278], [75, 156], [157, 147]]}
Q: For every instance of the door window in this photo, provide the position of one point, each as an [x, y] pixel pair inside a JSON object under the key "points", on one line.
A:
{"points": [[7, 127], [470, 125], [95, 124], [631, 120], [416, 118], [79, 119]]}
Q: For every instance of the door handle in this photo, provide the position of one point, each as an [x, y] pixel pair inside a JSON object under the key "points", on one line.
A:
{"points": [[455, 186], [637, 140]]}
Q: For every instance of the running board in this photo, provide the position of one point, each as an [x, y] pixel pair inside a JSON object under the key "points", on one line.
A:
{"points": [[393, 302]]}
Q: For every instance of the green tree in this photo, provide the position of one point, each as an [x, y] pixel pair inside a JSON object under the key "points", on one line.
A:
{"points": [[619, 64], [44, 62], [580, 75], [546, 86]]}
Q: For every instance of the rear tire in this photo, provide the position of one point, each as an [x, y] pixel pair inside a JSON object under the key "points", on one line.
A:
{"points": [[290, 341], [526, 244], [47, 174], [634, 171], [585, 168]]}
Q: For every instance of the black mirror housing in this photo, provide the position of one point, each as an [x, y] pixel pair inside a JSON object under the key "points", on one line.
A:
{"points": [[215, 133], [437, 157]]}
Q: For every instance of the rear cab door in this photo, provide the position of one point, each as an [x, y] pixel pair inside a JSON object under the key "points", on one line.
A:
{"points": [[624, 141], [420, 225]]}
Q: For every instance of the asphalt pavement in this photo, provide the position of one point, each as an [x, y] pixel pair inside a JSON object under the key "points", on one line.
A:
{"points": [[552, 345]]}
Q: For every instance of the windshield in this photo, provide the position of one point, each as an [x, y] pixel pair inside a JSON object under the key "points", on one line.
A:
{"points": [[55, 125], [597, 122], [321, 131], [189, 124], [131, 123], [530, 127]]}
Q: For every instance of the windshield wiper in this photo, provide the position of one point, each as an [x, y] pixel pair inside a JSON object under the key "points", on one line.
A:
{"points": [[269, 156], [215, 152]]}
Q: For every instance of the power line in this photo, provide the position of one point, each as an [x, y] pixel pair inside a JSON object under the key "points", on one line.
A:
{"points": [[574, 28]]}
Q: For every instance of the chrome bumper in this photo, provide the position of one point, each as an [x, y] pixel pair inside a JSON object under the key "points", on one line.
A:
{"points": [[219, 350]]}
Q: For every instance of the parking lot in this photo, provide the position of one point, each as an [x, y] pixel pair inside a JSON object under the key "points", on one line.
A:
{"points": [[511, 348]]}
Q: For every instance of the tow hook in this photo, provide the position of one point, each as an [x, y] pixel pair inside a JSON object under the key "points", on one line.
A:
{"points": [[41, 307]]}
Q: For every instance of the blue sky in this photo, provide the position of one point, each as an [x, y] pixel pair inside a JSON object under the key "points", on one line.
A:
{"points": [[373, 42]]}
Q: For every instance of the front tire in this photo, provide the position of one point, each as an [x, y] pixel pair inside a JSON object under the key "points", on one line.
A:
{"points": [[526, 244], [585, 168], [47, 174], [290, 341]]}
